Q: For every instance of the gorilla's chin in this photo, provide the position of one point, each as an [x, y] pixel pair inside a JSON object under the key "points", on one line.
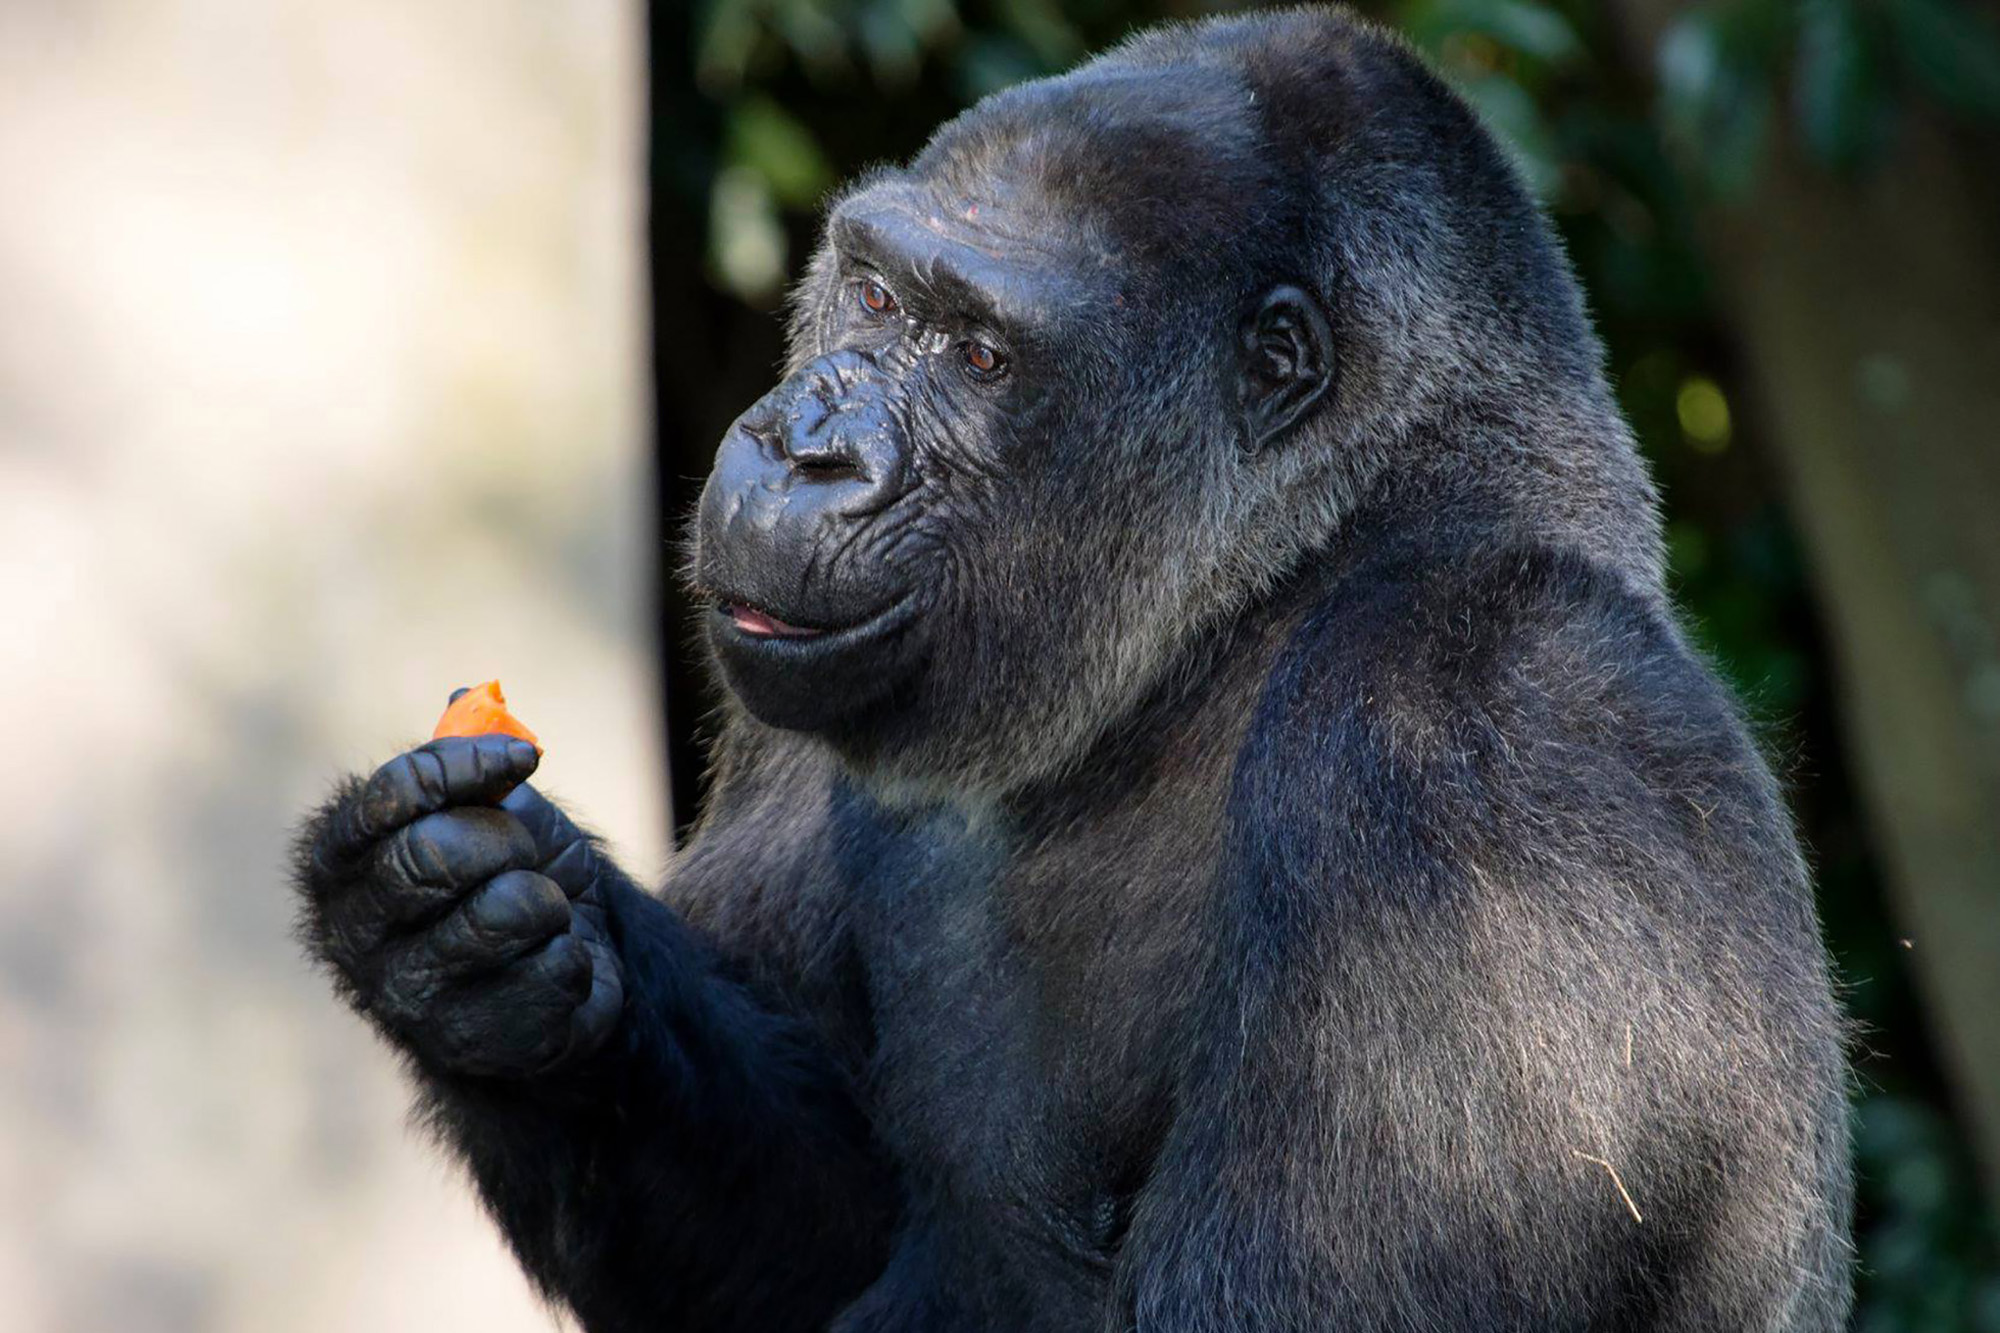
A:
{"points": [[815, 680]]}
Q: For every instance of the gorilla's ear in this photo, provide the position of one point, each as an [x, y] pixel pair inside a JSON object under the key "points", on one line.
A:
{"points": [[1287, 364]]}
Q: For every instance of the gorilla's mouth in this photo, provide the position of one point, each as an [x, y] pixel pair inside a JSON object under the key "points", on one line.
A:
{"points": [[744, 620], [809, 677], [760, 624]]}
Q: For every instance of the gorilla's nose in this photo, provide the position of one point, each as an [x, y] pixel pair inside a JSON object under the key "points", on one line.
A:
{"points": [[818, 455], [831, 429]]}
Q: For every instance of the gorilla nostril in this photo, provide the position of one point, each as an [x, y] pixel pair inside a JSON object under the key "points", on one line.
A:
{"points": [[826, 467], [763, 434]]}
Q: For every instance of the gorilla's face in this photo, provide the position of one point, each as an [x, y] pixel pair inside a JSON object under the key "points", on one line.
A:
{"points": [[828, 526], [969, 525]]}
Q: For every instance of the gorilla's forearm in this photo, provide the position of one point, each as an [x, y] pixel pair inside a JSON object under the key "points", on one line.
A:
{"points": [[646, 1131], [708, 1169]]}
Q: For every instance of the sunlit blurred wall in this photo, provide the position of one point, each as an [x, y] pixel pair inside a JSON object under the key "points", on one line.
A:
{"points": [[320, 334]]}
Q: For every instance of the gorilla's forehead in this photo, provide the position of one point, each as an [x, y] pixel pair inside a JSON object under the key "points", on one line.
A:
{"points": [[1109, 158]]}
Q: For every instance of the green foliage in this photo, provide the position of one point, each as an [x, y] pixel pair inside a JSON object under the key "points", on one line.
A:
{"points": [[1715, 98], [1925, 1223], [1840, 90], [765, 138], [1626, 148], [1952, 51], [1853, 66], [1533, 31]]}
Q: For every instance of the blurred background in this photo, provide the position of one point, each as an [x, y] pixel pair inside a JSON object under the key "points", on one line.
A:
{"points": [[322, 390], [326, 384]]}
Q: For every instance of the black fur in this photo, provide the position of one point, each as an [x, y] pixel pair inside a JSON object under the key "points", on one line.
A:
{"points": [[1248, 845]]}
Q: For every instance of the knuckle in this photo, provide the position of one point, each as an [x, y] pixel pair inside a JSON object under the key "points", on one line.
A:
{"points": [[400, 864], [458, 848], [564, 965], [396, 781], [398, 792], [521, 849], [499, 922], [427, 771], [501, 838], [431, 848], [574, 867], [545, 823], [519, 903]]}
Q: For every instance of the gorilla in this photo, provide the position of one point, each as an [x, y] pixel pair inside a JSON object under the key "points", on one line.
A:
{"points": [[1216, 824]]}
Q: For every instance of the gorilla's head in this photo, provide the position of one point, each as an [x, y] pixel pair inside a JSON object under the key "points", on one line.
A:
{"points": [[1115, 354]]}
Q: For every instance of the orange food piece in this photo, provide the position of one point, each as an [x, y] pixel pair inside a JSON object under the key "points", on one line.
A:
{"points": [[482, 711]]}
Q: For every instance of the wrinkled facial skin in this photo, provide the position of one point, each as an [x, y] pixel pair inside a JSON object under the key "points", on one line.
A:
{"points": [[837, 531], [813, 621]]}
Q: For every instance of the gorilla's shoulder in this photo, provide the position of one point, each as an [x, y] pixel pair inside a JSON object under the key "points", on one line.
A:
{"points": [[1430, 706], [1427, 633]]}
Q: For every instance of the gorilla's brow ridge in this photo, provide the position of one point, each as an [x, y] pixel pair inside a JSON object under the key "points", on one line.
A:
{"points": [[932, 274], [937, 277]]}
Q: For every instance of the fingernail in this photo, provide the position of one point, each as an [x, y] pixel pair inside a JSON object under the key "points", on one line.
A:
{"points": [[520, 753]]}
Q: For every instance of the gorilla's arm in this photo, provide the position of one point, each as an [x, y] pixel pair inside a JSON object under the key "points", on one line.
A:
{"points": [[659, 1144], [708, 1170], [1470, 871]]}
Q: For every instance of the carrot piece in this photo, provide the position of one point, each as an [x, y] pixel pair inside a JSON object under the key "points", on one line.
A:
{"points": [[482, 711]]}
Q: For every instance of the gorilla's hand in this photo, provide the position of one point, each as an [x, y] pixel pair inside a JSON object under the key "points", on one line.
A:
{"points": [[473, 934]]}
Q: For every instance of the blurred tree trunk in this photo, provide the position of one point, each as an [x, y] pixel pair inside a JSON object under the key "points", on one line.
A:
{"points": [[1871, 319], [1868, 309]]}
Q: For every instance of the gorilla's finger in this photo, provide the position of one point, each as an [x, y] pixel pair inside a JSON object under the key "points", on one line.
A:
{"points": [[576, 868], [509, 917], [455, 849], [518, 1021], [444, 1007], [563, 968], [569, 856], [544, 819], [458, 770], [419, 872], [463, 689], [599, 1013]]}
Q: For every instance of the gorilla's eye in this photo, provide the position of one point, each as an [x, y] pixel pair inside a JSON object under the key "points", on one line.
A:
{"points": [[876, 297], [984, 360]]}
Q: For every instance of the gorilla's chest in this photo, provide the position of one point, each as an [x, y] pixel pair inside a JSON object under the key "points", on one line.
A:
{"points": [[1026, 1001]]}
